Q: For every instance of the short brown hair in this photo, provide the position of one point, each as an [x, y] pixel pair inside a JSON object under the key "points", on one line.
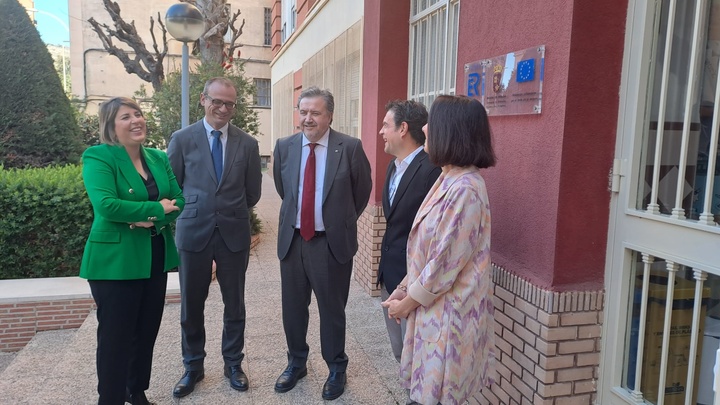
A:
{"points": [[314, 91], [222, 80], [106, 116], [459, 133], [413, 114]]}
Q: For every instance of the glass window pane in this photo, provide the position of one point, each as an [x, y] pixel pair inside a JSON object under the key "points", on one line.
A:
{"points": [[673, 81], [682, 310]]}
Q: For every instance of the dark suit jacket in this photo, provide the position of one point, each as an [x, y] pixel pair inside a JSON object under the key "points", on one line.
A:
{"points": [[346, 191], [208, 203], [414, 186], [114, 250]]}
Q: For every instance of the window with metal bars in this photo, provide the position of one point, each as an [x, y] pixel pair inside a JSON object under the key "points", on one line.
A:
{"points": [[433, 48], [679, 175], [268, 26], [262, 98]]}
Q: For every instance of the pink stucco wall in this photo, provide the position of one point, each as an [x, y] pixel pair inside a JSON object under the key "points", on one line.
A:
{"points": [[384, 77], [548, 192]]}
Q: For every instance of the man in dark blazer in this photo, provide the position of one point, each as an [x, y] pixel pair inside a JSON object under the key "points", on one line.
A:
{"points": [[409, 178], [317, 234], [218, 167]]}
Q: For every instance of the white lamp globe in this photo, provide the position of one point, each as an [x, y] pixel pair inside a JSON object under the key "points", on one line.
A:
{"points": [[184, 22]]}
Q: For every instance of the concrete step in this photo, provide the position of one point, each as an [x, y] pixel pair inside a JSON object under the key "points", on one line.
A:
{"points": [[5, 360]]}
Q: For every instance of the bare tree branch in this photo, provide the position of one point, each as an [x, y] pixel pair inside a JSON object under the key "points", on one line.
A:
{"points": [[236, 33], [145, 64], [148, 64]]}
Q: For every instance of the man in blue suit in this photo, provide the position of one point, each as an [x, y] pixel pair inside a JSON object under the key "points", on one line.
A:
{"points": [[217, 165], [409, 178], [323, 178]]}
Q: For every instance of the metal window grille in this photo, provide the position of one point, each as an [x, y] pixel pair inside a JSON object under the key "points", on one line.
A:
{"points": [[671, 306], [433, 48], [262, 86], [268, 26], [679, 177]]}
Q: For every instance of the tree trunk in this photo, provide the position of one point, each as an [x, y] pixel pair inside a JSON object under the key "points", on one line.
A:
{"points": [[217, 17]]}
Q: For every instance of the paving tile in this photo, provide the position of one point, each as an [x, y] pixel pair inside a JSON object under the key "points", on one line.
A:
{"points": [[372, 370]]}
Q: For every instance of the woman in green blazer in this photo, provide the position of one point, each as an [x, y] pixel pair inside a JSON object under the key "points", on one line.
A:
{"points": [[135, 197]]}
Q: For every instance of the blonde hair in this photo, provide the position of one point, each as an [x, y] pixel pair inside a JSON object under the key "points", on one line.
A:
{"points": [[108, 112]]}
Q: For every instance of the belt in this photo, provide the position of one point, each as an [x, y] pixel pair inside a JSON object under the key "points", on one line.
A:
{"points": [[317, 233]]}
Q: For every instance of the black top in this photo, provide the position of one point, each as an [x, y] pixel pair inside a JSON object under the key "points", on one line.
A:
{"points": [[150, 183]]}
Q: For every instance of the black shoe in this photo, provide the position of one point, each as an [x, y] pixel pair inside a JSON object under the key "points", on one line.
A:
{"points": [[138, 398], [289, 378], [334, 386], [187, 383], [238, 379]]}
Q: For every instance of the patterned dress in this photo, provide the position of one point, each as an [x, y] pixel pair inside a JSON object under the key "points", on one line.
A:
{"points": [[449, 350]]}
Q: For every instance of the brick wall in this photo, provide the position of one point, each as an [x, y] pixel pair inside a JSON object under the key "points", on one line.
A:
{"points": [[548, 344], [371, 228], [20, 321]]}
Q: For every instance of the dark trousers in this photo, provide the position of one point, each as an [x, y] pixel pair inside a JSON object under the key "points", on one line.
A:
{"points": [[311, 267], [129, 313], [195, 277]]}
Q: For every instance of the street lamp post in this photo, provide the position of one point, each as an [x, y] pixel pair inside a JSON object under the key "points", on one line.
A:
{"points": [[185, 23]]}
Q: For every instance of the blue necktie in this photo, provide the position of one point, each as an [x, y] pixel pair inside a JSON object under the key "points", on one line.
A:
{"points": [[217, 154]]}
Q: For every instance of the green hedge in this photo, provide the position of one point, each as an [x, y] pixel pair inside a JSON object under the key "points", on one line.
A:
{"points": [[46, 217]]}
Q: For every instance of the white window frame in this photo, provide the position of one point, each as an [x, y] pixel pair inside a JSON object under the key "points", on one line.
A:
{"points": [[288, 19], [439, 19], [265, 96]]}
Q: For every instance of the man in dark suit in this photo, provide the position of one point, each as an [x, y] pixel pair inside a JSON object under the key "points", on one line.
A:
{"points": [[323, 178], [408, 180], [218, 167]]}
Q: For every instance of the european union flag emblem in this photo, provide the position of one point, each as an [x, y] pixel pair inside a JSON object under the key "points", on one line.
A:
{"points": [[525, 71]]}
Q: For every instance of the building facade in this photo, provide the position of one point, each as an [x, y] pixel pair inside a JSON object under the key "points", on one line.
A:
{"points": [[97, 75], [603, 196]]}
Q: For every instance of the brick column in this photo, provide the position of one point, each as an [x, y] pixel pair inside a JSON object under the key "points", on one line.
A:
{"points": [[371, 228], [548, 344]]}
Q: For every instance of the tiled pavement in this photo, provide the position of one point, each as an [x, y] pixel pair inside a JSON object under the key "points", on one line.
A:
{"points": [[59, 367]]}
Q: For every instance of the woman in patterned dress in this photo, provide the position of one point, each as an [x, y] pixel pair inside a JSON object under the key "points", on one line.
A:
{"points": [[449, 348]]}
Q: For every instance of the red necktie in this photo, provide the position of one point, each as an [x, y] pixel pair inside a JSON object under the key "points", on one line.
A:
{"points": [[307, 213]]}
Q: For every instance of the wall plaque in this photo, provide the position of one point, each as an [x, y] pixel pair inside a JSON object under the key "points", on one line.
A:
{"points": [[508, 84]]}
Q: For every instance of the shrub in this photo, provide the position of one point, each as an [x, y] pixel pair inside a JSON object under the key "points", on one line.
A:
{"points": [[37, 124], [46, 220]]}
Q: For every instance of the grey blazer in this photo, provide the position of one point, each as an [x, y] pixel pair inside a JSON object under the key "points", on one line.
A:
{"points": [[207, 203], [346, 191]]}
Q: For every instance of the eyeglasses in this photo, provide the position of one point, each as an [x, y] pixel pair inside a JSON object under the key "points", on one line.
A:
{"points": [[219, 103]]}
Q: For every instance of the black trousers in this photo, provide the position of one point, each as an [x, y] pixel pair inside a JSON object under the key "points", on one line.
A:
{"points": [[195, 276], [129, 314], [311, 267]]}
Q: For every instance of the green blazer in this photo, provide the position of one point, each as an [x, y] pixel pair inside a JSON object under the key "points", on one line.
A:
{"points": [[114, 250]]}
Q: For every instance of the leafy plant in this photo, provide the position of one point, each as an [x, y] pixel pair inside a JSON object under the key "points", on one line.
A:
{"points": [[46, 220], [165, 104]]}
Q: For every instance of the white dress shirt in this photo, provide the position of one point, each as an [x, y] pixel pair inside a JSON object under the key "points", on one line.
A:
{"points": [[320, 160], [400, 168]]}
